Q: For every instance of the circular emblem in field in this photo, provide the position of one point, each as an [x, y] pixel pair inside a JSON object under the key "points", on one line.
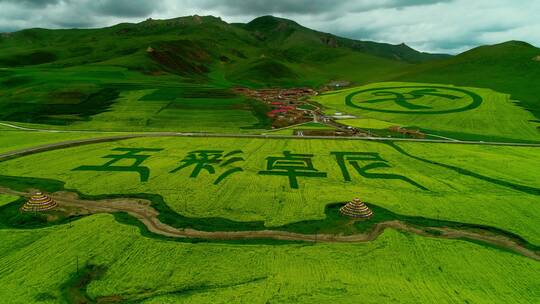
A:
{"points": [[415, 100]]}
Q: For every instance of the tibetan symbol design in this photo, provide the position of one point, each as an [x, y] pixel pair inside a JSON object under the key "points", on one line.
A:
{"points": [[415, 100]]}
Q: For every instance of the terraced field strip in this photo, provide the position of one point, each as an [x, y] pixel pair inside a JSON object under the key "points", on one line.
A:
{"points": [[72, 143], [142, 210]]}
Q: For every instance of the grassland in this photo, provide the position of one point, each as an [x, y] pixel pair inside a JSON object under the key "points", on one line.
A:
{"points": [[6, 199], [15, 140], [161, 74], [306, 126], [495, 118], [468, 186], [367, 123], [506, 67], [396, 267], [158, 113], [173, 75], [116, 99]]}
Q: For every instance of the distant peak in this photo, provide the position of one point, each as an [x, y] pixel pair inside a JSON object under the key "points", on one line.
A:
{"points": [[195, 19], [515, 43], [271, 18], [269, 21], [404, 45]]}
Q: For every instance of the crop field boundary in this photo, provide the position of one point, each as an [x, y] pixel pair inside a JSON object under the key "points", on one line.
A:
{"points": [[272, 136], [517, 187], [73, 143], [155, 219]]}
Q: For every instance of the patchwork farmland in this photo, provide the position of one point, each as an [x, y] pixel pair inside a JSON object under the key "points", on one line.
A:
{"points": [[263, 168]]}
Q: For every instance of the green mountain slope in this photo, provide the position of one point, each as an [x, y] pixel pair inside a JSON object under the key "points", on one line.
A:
{"points": [[159, 68], [511, 67], [284, 33], [193, 46], [68, 76]]}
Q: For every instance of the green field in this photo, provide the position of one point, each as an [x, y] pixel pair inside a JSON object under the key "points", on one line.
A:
{"points": [[306, 126], [367, 123], [15, 140], [396, 267], [459, 113], [6, 199], [415, 179], [461, 219], [115, 99]]}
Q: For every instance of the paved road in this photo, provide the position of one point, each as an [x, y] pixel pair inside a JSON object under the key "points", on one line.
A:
{"points": [[130, 135]]}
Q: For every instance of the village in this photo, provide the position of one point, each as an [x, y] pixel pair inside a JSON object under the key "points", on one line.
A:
{"points": [[291, 107], [288, 106]]}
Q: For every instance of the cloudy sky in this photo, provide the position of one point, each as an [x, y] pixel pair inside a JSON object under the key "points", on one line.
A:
{"points": [[449, 26]]}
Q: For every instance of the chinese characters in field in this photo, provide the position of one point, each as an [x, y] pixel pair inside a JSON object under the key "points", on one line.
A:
{"points": [[362, 162], [222, 164], [131, 154], [209, 160], [292, 166]]}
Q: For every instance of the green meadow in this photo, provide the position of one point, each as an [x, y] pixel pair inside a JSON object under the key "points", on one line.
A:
{"points": [[395, 267], [493, 186], [494, 117], [16, 140], [367, 123], [116, 99], [311, 126], [6, 199], [176, 76]]}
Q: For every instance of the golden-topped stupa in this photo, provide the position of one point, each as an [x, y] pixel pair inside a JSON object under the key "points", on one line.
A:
{"points": [[39, 202], [356, 209]]}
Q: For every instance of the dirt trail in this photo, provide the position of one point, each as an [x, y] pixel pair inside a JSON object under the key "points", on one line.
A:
{"points": [[142, 210]]}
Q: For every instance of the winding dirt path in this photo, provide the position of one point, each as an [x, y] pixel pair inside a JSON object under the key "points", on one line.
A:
{"points": [[142, 210]]}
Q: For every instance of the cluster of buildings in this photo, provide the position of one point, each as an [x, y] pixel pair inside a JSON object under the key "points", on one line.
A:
{"points": [[287, 106], [407, 132]]}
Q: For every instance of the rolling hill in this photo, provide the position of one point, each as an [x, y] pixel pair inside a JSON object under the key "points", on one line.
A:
{"points": [[509, 67], [135, 169], [188, 46], [105, 65]]}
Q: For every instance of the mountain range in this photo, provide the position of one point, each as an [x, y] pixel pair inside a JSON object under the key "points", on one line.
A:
{"points": [[267, 51]]}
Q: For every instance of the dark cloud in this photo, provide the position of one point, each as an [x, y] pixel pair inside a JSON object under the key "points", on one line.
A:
{"points": [[125, 8], [19, 14], [31, 3], [118, 8], [75, 23], [262, 7]]}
